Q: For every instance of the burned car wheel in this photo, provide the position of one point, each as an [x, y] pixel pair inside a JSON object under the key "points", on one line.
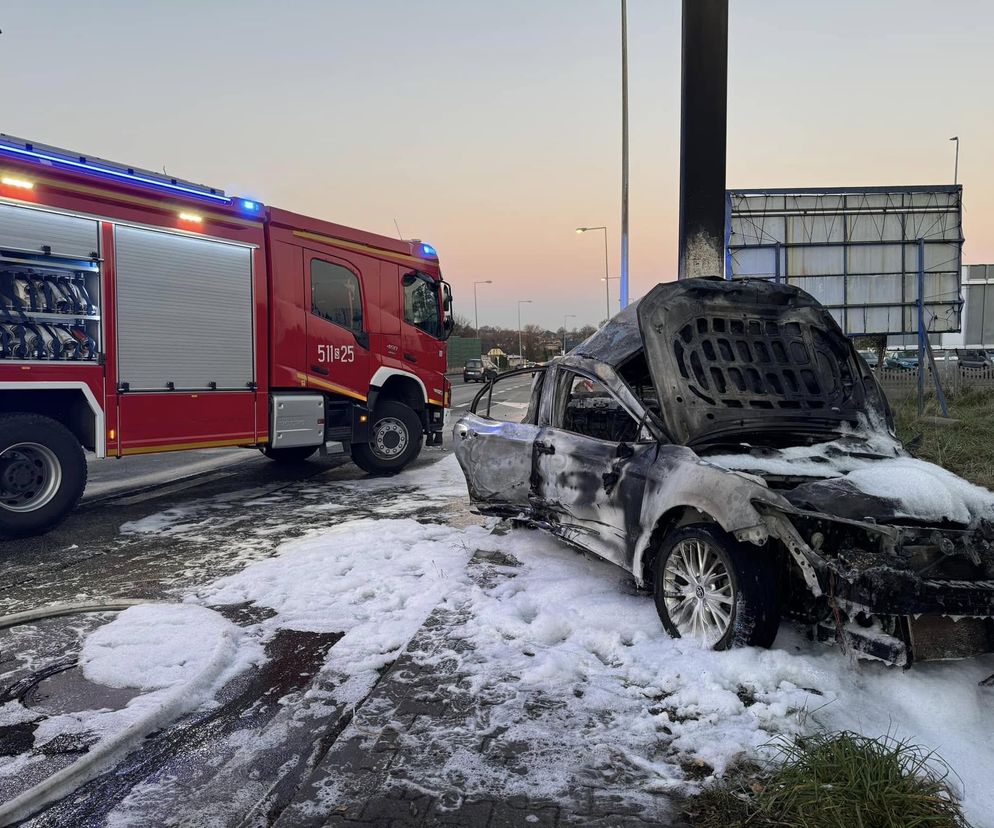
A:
{"points": [[711, 588]]}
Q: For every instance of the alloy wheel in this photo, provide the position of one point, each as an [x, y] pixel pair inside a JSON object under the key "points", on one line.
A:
{"points": [[698, 591]]}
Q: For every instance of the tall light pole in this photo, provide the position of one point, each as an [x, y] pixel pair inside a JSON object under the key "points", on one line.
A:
{"points": [[476, 310], [623, 297], [565, 317], [956, 165], [607, 275], [521, 302]]}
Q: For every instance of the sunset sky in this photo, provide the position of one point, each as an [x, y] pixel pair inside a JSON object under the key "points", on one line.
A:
{"points": [[492, 128]]}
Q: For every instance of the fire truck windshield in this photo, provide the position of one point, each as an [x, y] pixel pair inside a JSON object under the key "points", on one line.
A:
{"points": [[421, 305]]}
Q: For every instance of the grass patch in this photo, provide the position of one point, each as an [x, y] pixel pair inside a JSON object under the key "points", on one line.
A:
{"points": [[966, 448], [838, 780]]}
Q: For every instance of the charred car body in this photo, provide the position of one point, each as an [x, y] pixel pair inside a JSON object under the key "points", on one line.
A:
{"points": [[725, 443]]}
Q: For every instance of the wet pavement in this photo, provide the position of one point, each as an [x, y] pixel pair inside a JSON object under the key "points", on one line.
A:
{"points": [[245, 760]]}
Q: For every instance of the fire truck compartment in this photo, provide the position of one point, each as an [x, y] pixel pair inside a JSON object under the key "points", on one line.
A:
{"points": [[184, 312], [49, 286], [30, 230]]}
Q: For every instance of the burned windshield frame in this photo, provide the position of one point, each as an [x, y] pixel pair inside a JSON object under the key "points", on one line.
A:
{"points": [[488, 390]]}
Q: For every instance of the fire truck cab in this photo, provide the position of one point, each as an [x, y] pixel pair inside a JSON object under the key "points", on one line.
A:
{"points": [[142, 313]]}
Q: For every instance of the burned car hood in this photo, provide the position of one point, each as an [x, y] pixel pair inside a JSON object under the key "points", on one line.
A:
{"points": [[751, 357], [864, 477]]}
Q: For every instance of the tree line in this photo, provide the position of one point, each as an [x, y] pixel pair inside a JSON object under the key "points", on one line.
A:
{"points": [[537, 343]]}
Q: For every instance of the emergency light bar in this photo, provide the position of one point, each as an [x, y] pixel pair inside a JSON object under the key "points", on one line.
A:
{"points": [[55, 157]]}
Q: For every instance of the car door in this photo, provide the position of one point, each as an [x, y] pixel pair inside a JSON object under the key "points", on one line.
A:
{"points": [[337, 339], [494, 443], [590, 467]]}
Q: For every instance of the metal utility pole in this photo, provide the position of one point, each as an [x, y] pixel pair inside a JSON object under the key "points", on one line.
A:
{"points": [[521, 354], [565, 317], [476, 310], [956, 163], [623, 298], [607, 275], [703, 121]]}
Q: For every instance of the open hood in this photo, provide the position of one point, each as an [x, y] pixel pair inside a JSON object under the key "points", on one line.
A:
{"points": [[751, 360]]}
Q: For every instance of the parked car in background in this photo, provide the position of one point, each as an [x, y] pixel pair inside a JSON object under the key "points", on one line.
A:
{"points": [[905, 360], [725, 444], [974, 359], [478, 370]]}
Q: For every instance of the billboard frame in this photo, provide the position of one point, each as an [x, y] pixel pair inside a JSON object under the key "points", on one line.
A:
{"points": [[844, 206]]}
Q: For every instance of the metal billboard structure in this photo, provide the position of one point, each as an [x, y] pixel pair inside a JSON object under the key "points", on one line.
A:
{"points": [[883, 260], [978, 313]]}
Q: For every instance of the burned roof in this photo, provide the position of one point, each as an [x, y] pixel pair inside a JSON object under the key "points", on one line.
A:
{"points": [[616, 341]]}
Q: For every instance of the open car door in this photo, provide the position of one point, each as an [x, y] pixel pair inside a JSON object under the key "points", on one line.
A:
{"points": [[494, 442]]}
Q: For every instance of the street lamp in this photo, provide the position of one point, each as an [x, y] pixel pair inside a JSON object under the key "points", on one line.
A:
{"points": [[476, 310], [623, 290], [607, 275], [565, 317], [956, 167], [521, 302]]}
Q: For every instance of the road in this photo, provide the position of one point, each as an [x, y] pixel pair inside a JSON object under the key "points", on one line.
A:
{"points": [[88, 555], [160, 527]]}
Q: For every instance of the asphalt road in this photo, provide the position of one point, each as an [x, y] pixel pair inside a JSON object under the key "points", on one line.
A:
{"points": [[89, 556], [158, 527]]}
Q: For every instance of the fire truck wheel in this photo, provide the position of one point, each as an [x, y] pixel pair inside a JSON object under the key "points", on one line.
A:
{"points": [[289, 456], [396, 440], [42, 474]]}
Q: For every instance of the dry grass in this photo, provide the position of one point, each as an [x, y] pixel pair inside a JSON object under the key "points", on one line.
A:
{"points": [[965, 448]]}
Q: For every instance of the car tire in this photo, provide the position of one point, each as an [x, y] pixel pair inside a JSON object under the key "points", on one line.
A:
{"points": [[42, 474], [396, 440], [289, 456], [737, 604]]}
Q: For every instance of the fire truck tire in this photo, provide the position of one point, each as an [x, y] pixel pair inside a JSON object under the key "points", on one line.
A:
{"points": [[42, 474], [289, 456], [397, 438]]}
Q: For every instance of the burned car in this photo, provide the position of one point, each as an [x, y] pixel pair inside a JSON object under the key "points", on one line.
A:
{"points": [[725, 443]]}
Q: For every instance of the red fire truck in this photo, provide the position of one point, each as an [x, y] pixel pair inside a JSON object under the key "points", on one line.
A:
{"points": [[143, 313]]}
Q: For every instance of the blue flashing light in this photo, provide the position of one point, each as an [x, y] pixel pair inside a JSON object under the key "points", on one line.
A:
{"points": [[50, 159], [251, 206], [428, 250]]}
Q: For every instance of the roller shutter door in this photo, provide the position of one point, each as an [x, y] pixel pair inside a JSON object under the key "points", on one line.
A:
{"points": [[184, 312], [22, 228]]}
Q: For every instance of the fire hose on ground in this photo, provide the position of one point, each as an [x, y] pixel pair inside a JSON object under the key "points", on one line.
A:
{"points": [[105, 754]]}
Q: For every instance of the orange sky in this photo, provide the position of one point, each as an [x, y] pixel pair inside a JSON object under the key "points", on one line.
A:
{"points": [[493, 129]]}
